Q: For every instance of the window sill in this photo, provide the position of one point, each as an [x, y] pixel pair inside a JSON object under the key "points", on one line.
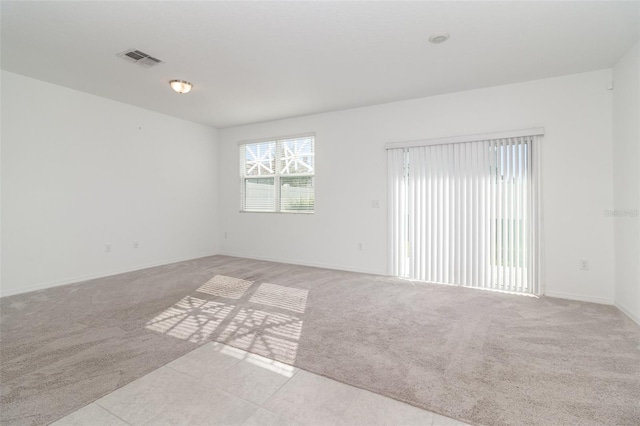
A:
{"points": [[282, 212]]}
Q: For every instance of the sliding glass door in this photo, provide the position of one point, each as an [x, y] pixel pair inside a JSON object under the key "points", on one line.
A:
{"points": [[466, 213]]}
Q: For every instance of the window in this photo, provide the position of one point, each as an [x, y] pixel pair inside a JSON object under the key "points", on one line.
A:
{"points": [[466, 213], [278, 175]]}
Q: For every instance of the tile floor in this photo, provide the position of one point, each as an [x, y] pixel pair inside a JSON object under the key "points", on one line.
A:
{"points": [[220, 385]]}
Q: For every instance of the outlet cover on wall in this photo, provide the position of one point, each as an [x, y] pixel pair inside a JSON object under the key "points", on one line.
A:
{"points": [[584, 265]]}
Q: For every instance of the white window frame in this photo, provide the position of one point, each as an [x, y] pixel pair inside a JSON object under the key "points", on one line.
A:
{"points": [[277, 175]]}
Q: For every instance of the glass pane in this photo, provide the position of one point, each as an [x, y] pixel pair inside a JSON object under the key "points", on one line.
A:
{"points": [[260, 159], [296, 194], [259, 194], [297, 156]]}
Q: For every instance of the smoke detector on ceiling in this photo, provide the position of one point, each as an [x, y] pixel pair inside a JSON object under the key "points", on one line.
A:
{"points": [[439, 38], [139, 57]]}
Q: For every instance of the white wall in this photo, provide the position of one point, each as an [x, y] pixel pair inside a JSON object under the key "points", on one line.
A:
{"points": [[79, 171], [351, 172], [626, 175]]}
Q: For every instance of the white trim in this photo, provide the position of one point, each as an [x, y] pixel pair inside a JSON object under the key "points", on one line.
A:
{"points": [[535, 131], [304, 263], [566, 296], [279, 138], [276, 176], [625, 310], [81, 278], [278, 212], [579, 298], [540, 245]]}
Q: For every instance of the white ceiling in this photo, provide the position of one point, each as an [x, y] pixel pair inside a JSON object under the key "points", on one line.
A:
{"points": [[258, 61]]}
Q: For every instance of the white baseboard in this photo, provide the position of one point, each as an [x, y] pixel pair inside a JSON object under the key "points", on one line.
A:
{"points": [[78, 279], [560, 295], [81, 278], [578, 297], [303, 263], [628, 312]]}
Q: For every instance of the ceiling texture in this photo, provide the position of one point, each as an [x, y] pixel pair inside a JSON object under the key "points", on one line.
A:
{"points": [[258, 61]]}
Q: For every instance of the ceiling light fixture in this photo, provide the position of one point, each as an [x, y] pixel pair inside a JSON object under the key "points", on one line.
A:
{"points": [[439, 38], [181, 86]]}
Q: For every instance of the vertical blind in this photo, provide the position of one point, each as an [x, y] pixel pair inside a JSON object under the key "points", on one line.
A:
{"points": [[466, 213]]}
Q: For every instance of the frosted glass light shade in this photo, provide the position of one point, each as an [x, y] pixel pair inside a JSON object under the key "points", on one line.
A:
{"points": [[181, 86]]}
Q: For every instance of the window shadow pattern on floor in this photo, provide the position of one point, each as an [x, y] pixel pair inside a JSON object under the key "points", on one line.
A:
{"points": [[261, 318]]}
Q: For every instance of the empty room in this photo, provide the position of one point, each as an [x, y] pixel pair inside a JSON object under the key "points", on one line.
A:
{"points": [[320, 213]]}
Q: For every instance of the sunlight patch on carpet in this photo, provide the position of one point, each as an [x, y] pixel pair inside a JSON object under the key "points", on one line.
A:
{"points": [[293, 299], [191, 319], [229, 287]]}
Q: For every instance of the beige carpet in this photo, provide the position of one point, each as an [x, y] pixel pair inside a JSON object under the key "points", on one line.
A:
{"points": [[481, 357]]}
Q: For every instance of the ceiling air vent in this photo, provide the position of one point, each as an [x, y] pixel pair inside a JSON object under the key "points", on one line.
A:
{"points": [[139, 57]]}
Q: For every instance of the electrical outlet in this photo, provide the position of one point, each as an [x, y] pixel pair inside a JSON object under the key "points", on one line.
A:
{"points": [[584, 265], [136, 244], [107, 248], [360, 246], [225, 235]]}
